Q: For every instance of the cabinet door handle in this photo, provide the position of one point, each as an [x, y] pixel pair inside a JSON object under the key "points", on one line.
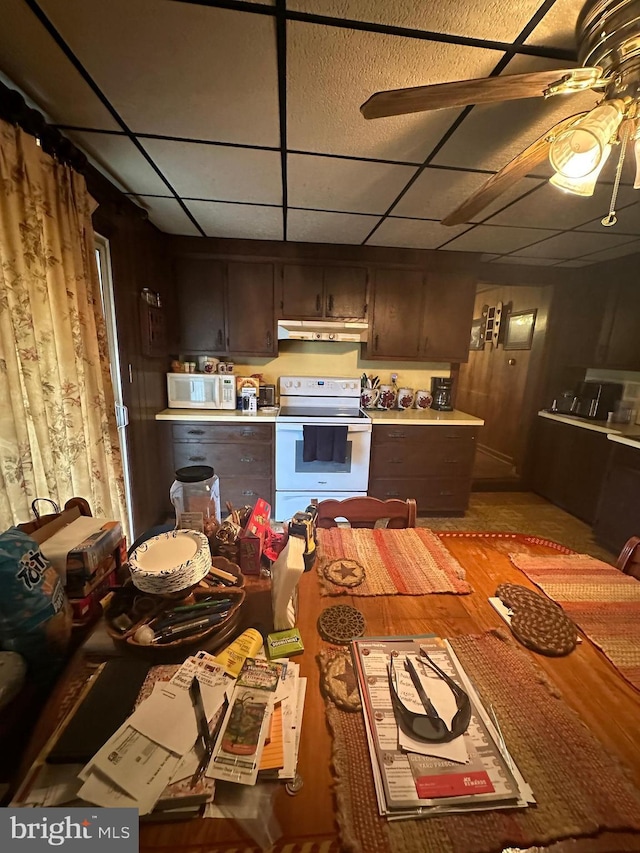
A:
{"points": [[446, 494], [330, 308], [247, 459], [602, 352], [375, 343], [197, 458], [269, 340], [392, 494], [397, 435], [318, 303], [364, 310], [247, 433], [248, 492], [395, 461], [195, 432], [451, 461], [220, 338], [426, 344]]}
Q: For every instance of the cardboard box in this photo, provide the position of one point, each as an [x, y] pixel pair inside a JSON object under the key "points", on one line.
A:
{"points": [[253, 537]]}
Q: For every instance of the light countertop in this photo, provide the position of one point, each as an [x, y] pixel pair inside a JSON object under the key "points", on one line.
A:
{"points": [[413, 417], [628, 434], [423, 417], [218, 416]]}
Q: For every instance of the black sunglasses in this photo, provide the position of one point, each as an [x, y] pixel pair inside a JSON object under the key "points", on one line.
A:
{"points": [[430, 726]]}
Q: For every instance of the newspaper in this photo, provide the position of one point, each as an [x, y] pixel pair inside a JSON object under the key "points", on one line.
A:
{"points": [[409, 783]]}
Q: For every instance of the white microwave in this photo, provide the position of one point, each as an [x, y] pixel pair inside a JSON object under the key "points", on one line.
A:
{"points": [[201, 391]]}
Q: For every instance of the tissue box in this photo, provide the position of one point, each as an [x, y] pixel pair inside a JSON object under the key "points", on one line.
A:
{"points": [[253, 537]]}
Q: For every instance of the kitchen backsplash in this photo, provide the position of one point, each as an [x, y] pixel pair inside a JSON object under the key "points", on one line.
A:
{"points": [[335, 359]]}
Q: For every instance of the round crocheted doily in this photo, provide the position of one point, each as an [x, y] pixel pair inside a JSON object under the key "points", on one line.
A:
{"points": [[537, 622], [340, 624], [344, 572]]}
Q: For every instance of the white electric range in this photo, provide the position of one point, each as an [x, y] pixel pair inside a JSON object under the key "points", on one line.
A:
{"points": [[338, 465]]}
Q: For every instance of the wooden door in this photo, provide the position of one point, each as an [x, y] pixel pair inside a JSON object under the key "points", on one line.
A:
{"points": [[301, 292], [345, 293], [250, 309], [397, 314], [200, 292], [623, 335], [448, 316]]}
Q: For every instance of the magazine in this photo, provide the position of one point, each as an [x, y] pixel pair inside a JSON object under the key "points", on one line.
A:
{"points": [[430, 781]]}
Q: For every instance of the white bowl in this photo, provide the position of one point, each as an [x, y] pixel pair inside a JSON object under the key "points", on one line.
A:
{"points": [[170, 561]]}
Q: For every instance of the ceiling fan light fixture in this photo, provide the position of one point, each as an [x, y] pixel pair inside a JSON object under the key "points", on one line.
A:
{"points": [[584, 185], [578, 151]]}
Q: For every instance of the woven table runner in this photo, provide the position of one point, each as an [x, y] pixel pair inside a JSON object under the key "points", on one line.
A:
{"points": [[601, 600], [580, 788], [408, 562]]}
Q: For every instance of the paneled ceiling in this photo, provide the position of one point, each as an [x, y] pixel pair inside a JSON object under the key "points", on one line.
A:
{"points": [[242, 119]]}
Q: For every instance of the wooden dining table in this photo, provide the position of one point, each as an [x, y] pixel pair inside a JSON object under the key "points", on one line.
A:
{"points": [[588, 683]]}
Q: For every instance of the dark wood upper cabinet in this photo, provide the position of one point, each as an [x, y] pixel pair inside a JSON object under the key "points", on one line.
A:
{"points": [[447, 317], [226, 307], [250, 309], [398, 305], [201, 300], [619, 342], [323, 292], [345, 293]]}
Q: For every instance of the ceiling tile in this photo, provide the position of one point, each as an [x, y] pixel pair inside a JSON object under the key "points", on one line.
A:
{"points": [[572, 244], [616, 252], [413, 233], [492, 135], [219, 172], [475, 18], [34, 62], [119, 156], [320, 226], [557, 28], [493, 238], [628, 219], [251, 221], [332, 71], [167, 215], [550, 207], [355, 186], [179, 69], [437, 192], [536, 262]]}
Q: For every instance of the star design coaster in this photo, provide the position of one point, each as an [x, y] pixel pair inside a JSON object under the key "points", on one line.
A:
{"points": [[339, 681], [344, 572]]}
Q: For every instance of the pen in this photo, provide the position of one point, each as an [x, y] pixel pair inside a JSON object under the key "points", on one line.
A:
{"points": [[173, 618], [208, 602], [190, 627], [211, 740]]}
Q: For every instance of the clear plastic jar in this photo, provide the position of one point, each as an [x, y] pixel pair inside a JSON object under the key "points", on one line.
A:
{"points": [[195, 495]]}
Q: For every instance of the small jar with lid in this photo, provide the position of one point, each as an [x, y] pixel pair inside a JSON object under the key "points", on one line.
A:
{"points": [[195, 495]]}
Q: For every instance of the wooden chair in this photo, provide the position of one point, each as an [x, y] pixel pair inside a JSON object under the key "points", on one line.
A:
{"points": [[629, 559], [364, 512]]}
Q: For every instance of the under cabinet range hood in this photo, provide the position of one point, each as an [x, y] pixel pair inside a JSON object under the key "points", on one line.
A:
{"points": [[334, 331]]}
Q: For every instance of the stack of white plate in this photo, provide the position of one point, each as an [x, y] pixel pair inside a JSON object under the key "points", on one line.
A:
{"points": [[170, 561]]}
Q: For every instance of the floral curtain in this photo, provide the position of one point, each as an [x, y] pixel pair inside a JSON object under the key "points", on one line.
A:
{"points": [[58, 436]]}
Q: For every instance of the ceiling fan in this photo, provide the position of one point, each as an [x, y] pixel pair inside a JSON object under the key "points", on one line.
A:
{"points": [[608, 38]]}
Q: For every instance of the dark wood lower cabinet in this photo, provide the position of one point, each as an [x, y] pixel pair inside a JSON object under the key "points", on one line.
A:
{"points": [[240, 454], [429, 463], [569, 464], [618, 514]]}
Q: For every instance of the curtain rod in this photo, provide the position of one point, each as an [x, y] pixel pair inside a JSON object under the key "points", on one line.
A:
{"points": [[15, 110]]}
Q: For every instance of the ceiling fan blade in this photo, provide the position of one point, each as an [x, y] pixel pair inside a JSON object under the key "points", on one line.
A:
{"points": [[484, 90], [509, 174]]}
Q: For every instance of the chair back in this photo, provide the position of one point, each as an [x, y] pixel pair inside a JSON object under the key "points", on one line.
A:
{"points": [[629, 559], [365, 511]]}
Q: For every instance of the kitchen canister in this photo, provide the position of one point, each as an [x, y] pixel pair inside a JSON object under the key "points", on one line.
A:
{"points": [[424, 399], [195, 494], [405, 398], [387, 397]]}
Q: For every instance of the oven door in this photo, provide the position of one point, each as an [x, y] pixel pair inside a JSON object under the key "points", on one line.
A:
{"points": [[294, 474]]}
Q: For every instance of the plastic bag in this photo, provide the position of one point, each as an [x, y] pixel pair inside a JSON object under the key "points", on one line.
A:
{"points": [[35, 615]]}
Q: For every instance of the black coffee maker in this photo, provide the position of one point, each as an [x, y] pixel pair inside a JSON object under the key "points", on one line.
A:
{"points": [[441, 389]]}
